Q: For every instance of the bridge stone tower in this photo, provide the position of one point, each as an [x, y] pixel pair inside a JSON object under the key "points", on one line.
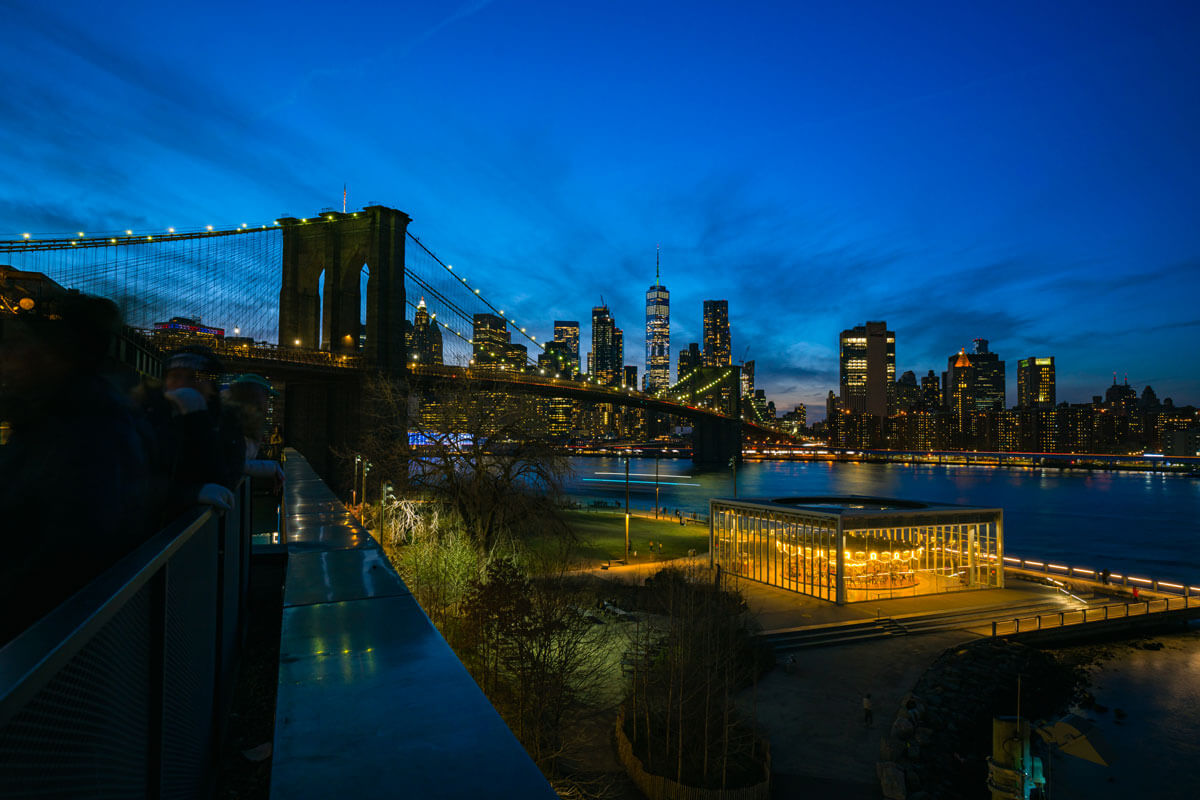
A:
{"points": [[338, 245]]}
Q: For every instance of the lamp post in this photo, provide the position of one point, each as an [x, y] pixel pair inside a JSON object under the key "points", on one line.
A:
{"points": [[626, 507], [354, 482], [366, 470], [733, 463], [656, 459]]}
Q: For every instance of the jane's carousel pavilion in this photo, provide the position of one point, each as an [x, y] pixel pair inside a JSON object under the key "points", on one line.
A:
{"points": [[851, 549]]}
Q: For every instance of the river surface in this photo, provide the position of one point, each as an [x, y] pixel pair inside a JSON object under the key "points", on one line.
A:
{"points": [[1129, 522]]}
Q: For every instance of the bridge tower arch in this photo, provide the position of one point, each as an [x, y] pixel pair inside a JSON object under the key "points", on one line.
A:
{"points": [[337, 245]]}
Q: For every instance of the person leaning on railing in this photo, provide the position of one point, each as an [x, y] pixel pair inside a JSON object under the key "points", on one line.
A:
{"points": [[199, 452], [74, 474], [248, 399]]}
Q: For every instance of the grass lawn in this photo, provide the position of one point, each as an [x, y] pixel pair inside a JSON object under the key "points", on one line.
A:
{"points": [[602, 537]]}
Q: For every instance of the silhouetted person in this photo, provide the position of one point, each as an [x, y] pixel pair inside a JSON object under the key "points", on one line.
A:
{"points": [[200, 450], [74, 471], [248, 399]]}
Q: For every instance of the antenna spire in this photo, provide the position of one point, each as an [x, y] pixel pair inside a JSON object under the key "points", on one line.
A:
{"points": [[343, 198], [657, 250]]}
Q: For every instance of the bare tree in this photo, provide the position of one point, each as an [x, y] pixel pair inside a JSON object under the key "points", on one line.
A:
{"points": [[685, 673], [486, 456]]}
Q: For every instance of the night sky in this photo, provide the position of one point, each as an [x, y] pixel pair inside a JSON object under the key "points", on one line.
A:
{"points": [[1024, 172]]}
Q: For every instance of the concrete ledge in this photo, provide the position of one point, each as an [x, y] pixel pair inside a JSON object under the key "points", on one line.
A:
{"points": [[372, 701]]}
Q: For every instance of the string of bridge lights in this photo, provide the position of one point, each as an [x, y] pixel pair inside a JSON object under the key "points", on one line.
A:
{"points": [[462, 279]]}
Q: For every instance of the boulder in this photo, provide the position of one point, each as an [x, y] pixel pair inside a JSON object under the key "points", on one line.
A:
{"points": [[902, 728], [891, 780]]}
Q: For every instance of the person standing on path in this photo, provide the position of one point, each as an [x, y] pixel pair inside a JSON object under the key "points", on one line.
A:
{"points": [[868, 714]]}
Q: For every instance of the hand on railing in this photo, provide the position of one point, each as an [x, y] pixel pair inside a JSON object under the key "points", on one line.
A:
{"points": [[217, 496]]}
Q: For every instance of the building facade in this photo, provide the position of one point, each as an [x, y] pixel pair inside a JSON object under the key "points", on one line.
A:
{"points": [[566, 331], [1035, 382], [658, 336], [603, 367], [867, 358], [718, 350]]}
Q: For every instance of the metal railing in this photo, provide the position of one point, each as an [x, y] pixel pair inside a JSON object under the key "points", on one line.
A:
{"points": [[123, 689], [1081, 616], [1114, 578]]}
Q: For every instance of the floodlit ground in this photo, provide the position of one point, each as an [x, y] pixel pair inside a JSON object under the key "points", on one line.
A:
{"points": [[601, 536]]}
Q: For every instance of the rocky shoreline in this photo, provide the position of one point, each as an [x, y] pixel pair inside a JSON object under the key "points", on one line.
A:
{"points": [[938, 742]]}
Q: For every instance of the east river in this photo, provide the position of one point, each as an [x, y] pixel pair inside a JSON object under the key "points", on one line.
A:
{"points": [[1145, 524], [1136, 523]]}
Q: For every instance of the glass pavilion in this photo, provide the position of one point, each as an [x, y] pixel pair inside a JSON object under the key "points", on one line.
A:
{"points": [[852, 549]]}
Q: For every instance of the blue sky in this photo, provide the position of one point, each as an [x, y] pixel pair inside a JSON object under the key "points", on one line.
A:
{"points": [[1023, 172]]}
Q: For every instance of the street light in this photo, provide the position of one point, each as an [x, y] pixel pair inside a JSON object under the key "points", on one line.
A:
{"points": [[354, 482], [733, 463], [656, 460], [626, 506]]}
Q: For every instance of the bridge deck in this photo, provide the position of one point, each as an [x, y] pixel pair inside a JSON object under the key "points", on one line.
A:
{"points": [[371, 698]]}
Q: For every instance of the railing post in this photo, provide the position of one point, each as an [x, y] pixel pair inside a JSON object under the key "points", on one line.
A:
{"points": [[156, 679], [1039, 622], [1106, 612], [993, 629], [1154, 584], [1016, 625], [1062, 620]]}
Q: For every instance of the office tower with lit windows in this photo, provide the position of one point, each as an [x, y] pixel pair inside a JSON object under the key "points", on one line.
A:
{"points": [[717, 348], [604, 368], [567, 332], [618, 356], [961, 387], [557, 360], [630, 378], [748, 379], [489, 339], [425, 337], [908, 392], [931, 392], [689, 359], [990, 392], [867, 356], [1035, 382], [658, 335]]}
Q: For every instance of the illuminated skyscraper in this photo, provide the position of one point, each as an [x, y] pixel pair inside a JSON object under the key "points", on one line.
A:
{"points": [[989, 378], [658, 335], [603, 367], [567, 331], [489, 339], [867, 356], [689, 359], [717, 349], [425, 337], [1035, 382]]}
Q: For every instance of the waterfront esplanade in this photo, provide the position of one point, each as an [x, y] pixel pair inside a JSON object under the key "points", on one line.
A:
{"points": [[852, 549]]}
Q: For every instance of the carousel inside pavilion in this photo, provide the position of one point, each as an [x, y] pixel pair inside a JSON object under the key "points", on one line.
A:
{"points": [[852, 549]]}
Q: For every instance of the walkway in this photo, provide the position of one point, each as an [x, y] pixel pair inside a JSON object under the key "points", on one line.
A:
{"points": [[372, 701]]}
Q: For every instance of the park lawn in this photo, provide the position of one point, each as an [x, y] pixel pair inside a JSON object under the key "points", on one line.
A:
{"points": [[602, 537]]}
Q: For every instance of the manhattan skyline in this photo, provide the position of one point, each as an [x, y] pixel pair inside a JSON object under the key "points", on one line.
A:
{"points": [[1016, 173]]}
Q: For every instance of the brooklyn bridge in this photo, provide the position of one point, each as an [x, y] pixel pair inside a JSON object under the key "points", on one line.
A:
{"points": [[319, 303]]}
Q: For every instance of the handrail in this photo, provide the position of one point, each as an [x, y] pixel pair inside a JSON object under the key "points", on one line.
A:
{"points": [[27, 661], [141, 660], [1062, 619], [1064, 570]]}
